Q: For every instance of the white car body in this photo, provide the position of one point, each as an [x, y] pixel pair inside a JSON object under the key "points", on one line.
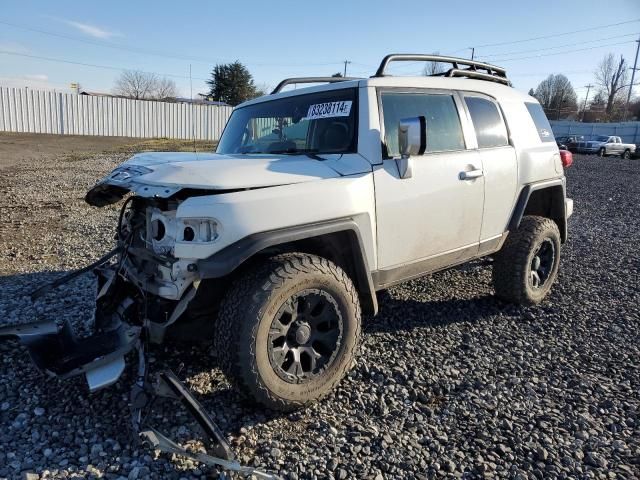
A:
{"points": [[316, 199], [407, 226]]}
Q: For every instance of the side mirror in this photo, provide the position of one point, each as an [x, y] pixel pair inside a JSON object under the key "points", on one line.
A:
{"points": [[412, 140]]}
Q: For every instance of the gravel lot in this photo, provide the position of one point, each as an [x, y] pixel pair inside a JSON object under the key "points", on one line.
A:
{"points": [[450, 382]]}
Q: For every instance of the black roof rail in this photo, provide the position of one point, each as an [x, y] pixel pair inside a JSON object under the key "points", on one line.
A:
{"points": [[479, 70], [291, 81]]}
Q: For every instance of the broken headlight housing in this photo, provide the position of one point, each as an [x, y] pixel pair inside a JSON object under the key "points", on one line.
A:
{"points": [[165, 229]]}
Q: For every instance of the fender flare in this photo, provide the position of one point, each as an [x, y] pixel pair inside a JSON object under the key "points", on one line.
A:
{"points": [[523, 200], [225, 261]]}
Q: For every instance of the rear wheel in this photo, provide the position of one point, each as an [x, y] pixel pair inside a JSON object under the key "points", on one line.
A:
{"points": [[527, 265], [626, 154], [288, 330], [601, 152]]}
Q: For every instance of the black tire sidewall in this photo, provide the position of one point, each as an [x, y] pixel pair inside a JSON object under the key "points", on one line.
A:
{"points": [[315, 387]]}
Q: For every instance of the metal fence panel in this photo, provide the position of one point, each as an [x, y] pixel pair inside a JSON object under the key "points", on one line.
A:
{"points": [[34, 111], [628, 131]]}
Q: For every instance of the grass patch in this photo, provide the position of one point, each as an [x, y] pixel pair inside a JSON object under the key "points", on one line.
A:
{"points": [[167, 145], [148, 145]]}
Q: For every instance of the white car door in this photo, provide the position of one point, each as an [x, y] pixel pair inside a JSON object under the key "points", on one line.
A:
{"points": [[433, 218], [499, 165]]}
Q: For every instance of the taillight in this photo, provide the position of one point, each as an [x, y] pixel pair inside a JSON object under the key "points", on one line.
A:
{"points": [[567, 158]]}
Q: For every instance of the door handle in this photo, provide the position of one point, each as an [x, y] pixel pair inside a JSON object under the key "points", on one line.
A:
{"points": [[470, 175]]}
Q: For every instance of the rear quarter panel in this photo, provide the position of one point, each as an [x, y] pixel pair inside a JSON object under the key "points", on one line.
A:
{"points": [[537, 160]]}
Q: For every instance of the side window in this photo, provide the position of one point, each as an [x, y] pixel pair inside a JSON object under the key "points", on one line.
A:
{"points": [[540, 121], [487, 122], [444, 132]]}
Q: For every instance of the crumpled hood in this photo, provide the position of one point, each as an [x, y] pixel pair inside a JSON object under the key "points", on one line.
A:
{"points": [[162, 174]]}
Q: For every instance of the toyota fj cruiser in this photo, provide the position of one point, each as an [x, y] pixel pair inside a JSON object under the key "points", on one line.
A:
{"points": [[315, 199]]}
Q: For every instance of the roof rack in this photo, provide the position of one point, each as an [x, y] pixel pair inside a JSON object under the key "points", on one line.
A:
{"points": [[291, 81], [491, 73]]}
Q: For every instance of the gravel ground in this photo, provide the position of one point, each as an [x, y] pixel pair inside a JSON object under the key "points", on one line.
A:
{"points": [[450, 381]]}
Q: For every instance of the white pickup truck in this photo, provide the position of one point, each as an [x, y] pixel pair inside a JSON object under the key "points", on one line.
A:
{"points": [[607, 145]]}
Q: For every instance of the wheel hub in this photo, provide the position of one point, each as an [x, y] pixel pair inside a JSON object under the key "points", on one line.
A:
{"points": [[302, 333], [305, 336]]}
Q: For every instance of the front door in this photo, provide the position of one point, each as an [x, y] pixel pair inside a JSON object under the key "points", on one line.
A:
{"points": [[433, 218]]}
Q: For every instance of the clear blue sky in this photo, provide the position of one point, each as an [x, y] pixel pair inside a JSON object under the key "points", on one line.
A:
{"points": [[292, 38]]}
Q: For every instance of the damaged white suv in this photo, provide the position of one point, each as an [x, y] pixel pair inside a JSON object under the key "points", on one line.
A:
{"points": [[315, 199]]}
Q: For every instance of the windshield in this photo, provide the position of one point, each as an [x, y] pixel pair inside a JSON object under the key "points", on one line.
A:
{"points": [[323, 122], [602, 138]]}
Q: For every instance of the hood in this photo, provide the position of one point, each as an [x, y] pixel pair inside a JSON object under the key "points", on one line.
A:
{"points": [[162, 174]]}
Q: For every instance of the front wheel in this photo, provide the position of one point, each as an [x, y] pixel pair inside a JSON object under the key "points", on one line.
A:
{"points": [[601, 152], [288, 330], [626, 154], [527, 265]]}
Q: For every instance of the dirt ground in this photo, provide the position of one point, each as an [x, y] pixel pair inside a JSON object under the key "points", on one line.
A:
{"points": [[16, 148]]}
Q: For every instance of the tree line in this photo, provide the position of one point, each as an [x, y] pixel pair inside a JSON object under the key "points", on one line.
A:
{"points": [[232, 83], [608, 94]]}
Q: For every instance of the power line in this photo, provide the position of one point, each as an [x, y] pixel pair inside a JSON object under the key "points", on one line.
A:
{"points": [[493, 56], [144, 51], [599, 27], [565, 52], [107, 67]]}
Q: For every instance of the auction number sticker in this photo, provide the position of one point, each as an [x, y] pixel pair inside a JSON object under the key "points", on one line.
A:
{"points": [[329, 109]]}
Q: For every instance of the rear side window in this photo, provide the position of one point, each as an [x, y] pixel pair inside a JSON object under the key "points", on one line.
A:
{"points": [[541, 122], [487, 122], [444, 132]]}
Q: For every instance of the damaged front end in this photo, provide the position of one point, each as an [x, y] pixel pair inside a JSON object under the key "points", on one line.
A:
{"points": [[142, 289]]}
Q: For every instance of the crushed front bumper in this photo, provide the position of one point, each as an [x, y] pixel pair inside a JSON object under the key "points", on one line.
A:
{"points": [[57, 351]]}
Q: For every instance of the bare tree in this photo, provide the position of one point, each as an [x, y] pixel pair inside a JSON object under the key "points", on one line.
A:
{"points": [[135, 84], [165, 89], [557, 96], [144, 85], [611, 77], [433, 68]]}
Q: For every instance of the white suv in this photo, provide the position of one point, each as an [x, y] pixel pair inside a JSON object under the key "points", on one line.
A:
{"points": [[317, 198]]}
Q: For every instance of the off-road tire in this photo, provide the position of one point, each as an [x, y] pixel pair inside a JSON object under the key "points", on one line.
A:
{"points": [[602, 152], [626, 154], [245, 317], [512, 264]]}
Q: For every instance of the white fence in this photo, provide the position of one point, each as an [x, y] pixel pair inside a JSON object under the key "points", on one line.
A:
{"points": [[33, 111], [628, 131]]}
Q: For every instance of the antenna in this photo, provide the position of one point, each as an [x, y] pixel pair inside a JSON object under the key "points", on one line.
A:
{"points": [[193, 120]]}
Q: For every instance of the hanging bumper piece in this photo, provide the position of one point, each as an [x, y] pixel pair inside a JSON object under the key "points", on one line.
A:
{"points": [[119, 329]]}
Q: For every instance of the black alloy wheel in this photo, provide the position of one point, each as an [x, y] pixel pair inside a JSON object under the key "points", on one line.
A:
{"points": [[305, 335]]}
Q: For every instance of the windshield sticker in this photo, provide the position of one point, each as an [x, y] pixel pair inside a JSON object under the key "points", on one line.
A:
{"points": [[329, 109]]}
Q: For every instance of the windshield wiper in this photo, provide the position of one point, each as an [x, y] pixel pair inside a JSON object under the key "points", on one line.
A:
{"points": [[292, 151]]}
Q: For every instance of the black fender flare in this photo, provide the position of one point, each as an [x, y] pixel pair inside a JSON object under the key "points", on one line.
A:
{"points": [[559, 214], [231, 257]]}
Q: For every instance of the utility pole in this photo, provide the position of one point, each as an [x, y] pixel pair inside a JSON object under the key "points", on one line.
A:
{"points": [[633, 74], [345, 67], [584, 107], [473, 52]]}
